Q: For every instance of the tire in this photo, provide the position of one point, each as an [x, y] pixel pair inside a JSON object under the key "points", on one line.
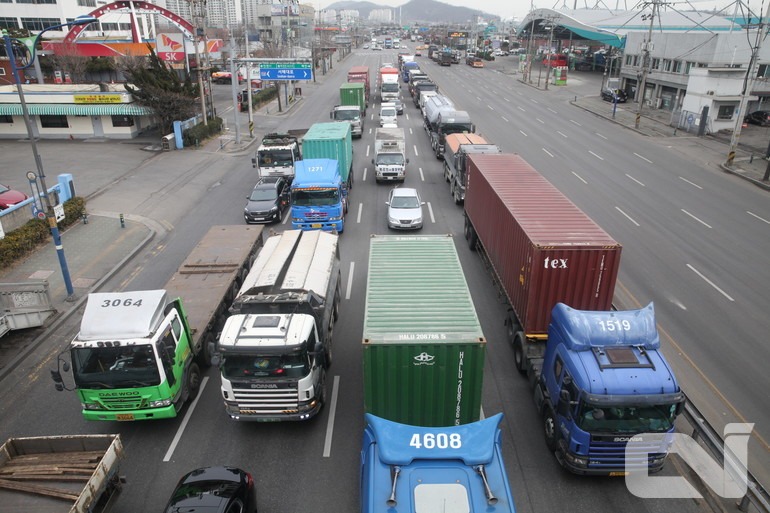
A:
{"points": [[330, 336], [204, 356], [336, 305], [456, 193], [470, 234], [446, 172], [550, 430], [518, 352], [193, 381]]}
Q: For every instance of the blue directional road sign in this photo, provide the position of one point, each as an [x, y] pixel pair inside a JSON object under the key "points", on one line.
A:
{"points": [[285, 71]]}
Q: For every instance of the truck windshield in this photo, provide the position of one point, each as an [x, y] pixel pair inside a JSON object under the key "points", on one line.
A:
{"points": [[654, 418], [314, 197], [455, 128], [347, 115], [115, 367], [390, 159], [389, 88], [275, 158], [266, 366]]}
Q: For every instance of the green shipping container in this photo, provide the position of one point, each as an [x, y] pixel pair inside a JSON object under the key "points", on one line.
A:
{"points": [[353, 93], [423, 348], [331, 141]]}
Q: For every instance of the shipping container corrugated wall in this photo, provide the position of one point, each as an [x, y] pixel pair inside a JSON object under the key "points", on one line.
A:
{"points": [[543, 248], [330, 141], [423, 348]]}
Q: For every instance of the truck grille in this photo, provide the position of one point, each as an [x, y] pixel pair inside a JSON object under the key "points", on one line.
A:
{"points": [[316, 216], [612, 455], [123, 403], [266, 400]]}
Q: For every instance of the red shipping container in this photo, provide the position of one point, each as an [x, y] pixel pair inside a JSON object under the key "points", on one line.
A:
{"points": [[360, 74], [543, 248]]}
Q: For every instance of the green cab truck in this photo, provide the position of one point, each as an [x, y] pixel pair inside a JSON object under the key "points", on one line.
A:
{"points": [[423, 348], [352, 107], [353, 93], [138, 354]]}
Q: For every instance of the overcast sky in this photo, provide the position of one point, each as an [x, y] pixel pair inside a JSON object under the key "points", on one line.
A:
{"points": [[519, 8]]}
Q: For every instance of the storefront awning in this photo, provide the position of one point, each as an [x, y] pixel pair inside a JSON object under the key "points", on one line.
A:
{"points": [[63, 109]]}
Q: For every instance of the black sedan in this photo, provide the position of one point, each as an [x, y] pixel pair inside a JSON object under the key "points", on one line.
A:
{"points": [[267, 201], [614, 95], [758, 117], [214, 490]]}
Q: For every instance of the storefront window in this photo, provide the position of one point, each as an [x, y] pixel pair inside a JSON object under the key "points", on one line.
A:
{"points": [[122, 121], [54, 122], [725, 112], [5, 118]]}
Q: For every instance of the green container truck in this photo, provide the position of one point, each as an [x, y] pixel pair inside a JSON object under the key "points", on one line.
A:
{"points": [[331, 141], [353, 93], [423, 348]]}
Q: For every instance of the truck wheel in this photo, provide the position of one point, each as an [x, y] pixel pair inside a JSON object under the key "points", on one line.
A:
{"points": [[446, 172], [330, 335], [336, 306], [193, 381], [456, 194], [518, 352], [207, 346], [470, 234], [550, 430]]}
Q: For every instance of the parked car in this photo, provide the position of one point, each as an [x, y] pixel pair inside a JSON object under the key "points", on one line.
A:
{"points": [[609, 95], [555, 60], [366, 47], [404, 209], [214, 490], [10, 197], [758, 117], [267, 200]]}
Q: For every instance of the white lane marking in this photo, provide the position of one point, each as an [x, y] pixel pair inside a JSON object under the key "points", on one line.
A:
{"points": [[561, 134], [701, 222], [549, 108], [725, 294], [506, 99], [490, 107], [575, 122], [360, 209], [600, 135], [533, 100], [364, 174], [540, 120], [505, 119], [691, 183], [755, 215], [180, 430], [522, 133], [627, 216], [479, 99], [634, 179], [367, 150], [644, 159], [350, 280], [579, 178], [422, 177], [330, 420], [410, 131], [595, 155], [415, 150], [548, 152], [430, 211], [407, 115], [287, 217], [521, 108]]}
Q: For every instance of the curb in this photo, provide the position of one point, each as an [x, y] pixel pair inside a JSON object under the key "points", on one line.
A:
{"points": [[736, 172]]}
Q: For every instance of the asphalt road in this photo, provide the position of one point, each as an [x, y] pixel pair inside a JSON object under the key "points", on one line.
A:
{"points": [[299, 466]]}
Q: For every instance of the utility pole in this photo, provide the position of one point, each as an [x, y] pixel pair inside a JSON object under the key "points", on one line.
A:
{"points": [[645, 65], [197, 11], [550, 45], [748, 86]]}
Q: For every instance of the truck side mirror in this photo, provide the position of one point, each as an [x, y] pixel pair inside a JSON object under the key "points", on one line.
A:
{"points": [[473, 128], [407, 161], [254, 162], [372, 161], [215, 359]]}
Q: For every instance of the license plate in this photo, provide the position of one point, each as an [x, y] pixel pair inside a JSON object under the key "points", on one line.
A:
{"points": [[316, 225], [618, 474], [124, 416]]}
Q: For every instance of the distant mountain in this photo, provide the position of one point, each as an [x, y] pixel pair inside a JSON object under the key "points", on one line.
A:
{"points": [[424, 11]]}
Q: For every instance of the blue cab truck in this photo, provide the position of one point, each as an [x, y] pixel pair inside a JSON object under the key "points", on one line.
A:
{"points": [[406, 68], [409, 469], [604, 383], [318, 199]]}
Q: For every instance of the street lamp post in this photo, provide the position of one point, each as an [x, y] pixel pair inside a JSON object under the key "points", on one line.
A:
{"points": [[50, 215]]}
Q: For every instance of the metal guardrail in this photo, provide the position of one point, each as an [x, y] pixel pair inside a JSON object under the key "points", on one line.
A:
{"points": [[756, 494]]}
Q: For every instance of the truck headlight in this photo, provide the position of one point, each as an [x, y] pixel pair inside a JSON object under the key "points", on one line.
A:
{"points": [[575, 460], [160, 404], [337, 218], [90, 406]]}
